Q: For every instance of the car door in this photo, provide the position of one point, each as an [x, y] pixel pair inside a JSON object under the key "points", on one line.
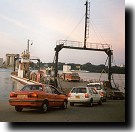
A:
{"points": [[50, 96], [57, 97], [96, 96]]}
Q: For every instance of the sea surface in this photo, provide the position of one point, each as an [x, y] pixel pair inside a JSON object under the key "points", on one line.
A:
{"points": [[7, 84]]}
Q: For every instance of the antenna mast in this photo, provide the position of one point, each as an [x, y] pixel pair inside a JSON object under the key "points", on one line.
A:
{"points": [[87, 17]]}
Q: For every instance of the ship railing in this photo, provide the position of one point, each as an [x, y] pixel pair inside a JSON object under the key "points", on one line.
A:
{"points": [[81, 44]]}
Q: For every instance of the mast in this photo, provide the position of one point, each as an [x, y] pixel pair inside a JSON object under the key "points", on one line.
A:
{"points": [[28, 49], [87, 17]]}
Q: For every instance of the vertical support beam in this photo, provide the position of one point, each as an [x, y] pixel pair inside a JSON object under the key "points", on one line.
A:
{"points": [[57, 49], [14, 63], [39, 63], [85, 32], [13, 56], [56, 68], [10, 60], [17, 61], [109, 53], [109, 70]]}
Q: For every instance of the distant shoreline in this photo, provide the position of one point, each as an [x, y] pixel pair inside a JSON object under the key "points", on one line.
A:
{"points": [[11, 68]]}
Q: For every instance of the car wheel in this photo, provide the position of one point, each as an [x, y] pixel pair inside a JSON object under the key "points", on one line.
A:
{"points": [[100, 102], [71, 104], [18, 109], [91, 103], [64, 106], [44, 107], [105, 100]]}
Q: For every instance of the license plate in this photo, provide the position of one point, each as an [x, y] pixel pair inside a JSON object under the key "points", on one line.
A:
{"points": [[78, 97], [22, 96]]}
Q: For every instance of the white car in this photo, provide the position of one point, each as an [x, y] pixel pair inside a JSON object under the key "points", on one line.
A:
{"points": [[100, 89], [84, 95]]}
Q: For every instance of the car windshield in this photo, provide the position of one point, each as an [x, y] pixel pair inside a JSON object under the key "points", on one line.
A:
{"points": [[78, 90], [75, 74], [32, 87]]}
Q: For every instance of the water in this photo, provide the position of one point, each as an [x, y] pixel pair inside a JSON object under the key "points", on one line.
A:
{"points": [[119, 79], [7, 84]]}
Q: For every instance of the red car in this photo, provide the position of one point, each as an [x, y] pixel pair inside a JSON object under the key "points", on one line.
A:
{"points": [[37, 96]]}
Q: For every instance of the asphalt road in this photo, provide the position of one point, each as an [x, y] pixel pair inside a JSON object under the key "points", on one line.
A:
{"points": [[110, 111]]}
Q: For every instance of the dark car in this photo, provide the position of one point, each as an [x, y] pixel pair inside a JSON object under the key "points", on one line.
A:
{"points": [[116, 95]]}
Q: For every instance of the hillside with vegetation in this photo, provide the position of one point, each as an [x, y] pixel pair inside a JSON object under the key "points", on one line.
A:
{"points": [[86, 67]]}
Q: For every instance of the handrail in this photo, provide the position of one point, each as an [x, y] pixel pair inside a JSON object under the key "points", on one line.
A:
{"points": [[81, 44]]}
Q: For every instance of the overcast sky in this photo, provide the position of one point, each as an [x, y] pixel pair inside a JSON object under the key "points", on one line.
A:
{"points": [[46, 21]]}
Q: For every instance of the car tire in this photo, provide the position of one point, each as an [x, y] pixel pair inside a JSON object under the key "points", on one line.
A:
{"points": [[100, 102], [64, 106], [91, 103], [71, 104], [105, 100], [44, 107], [18, 109]]}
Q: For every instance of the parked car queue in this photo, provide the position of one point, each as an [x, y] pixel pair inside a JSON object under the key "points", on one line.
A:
{"points": [[43, 97]]}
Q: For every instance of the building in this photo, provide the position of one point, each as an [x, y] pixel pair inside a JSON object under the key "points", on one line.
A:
{"points": [[10, 60], [66, 68], [1, 62]]}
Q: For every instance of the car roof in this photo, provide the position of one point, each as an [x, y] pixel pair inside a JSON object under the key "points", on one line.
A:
{"points": [[94, 84], [80, 87], [34, 85], [117, 91]]}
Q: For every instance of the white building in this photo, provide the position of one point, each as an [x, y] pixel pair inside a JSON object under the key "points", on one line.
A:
{"points": [[66, 68]]}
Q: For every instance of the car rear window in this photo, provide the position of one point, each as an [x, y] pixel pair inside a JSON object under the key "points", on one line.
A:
{"points": [[32, 87], [98, 87], [75, 74], [79, 90]]}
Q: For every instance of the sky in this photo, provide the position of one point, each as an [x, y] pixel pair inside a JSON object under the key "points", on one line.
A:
{"points": [[44, 22]]}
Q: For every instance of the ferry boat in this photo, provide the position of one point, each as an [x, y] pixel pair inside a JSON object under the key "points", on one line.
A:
{"points": [[26, 76]]}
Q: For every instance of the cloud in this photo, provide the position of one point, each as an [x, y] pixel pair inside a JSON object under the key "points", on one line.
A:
{"points": [[45, 22], [14, 21]]}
